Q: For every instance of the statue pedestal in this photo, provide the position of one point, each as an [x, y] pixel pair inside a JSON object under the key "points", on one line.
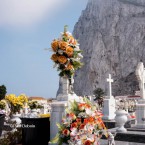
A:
{"points": [[64, 96], [109, 108], [56, 116], [140, 114]]}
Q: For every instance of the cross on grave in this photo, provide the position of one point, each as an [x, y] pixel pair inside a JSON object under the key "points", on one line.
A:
{"points": [[109, 80], [140, 73]]}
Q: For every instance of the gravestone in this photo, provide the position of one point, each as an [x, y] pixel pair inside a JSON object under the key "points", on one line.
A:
{"points": [[140, 107], [109, 103]]}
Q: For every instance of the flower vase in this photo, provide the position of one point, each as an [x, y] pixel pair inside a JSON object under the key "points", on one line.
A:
{"points": [[16, 118], [121, 119], [34, 112], [63, 89]]}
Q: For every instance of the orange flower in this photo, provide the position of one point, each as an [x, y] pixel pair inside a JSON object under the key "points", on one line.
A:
{"points": [[73, 116], [87, 142], [69, 67], [78, 121], [81, 106], [63, 45], [62, 59], [66, 132], [54, 57], [72, 40], [55, 45], [66, 34], [91, 120], [87, 106], [69, 51]]}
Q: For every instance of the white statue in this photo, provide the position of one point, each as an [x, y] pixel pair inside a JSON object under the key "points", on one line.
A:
{"points": [[140, 74], [111, 139]]}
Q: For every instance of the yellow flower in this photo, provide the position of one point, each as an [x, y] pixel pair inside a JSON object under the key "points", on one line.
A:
{"points": [[54, 57], [69, 51], [62, 59], [55, 45]]}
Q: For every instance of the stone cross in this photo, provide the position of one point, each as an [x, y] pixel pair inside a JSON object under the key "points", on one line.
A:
{"points": [[110, 87], [140, 73]]}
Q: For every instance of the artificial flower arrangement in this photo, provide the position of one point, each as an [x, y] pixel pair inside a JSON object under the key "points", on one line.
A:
{"points": [[34, 105], [16, 102], [82, 125], [66, 54]]}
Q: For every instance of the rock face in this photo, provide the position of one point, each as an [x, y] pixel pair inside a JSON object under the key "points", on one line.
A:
{"points": [[111, 34]]}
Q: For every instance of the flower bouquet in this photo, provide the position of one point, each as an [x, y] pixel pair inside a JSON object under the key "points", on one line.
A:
{"points": [[66, 54], [16, 102], [81, 125], [34, 105]]}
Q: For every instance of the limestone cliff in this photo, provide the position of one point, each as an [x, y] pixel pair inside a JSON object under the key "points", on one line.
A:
{"points": [[111, 34]]}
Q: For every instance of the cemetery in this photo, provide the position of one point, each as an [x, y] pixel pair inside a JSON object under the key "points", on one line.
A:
{"points": [[73, 119], [101, 92]]}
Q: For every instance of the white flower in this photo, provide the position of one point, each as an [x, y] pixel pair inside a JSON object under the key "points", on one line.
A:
{"points": [[75, 59], [77, 48], [74, 132], [89, 111], [80, 56]]}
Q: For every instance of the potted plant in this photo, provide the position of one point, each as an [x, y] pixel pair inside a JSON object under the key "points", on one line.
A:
{"points": [[3, 92], [16, 103], [34, 106]]}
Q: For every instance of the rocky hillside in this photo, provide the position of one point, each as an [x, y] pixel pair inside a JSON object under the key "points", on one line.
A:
{"points": [[111, 34]]}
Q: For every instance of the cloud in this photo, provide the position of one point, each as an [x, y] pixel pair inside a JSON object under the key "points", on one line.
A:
{"points": [[27, 12]]}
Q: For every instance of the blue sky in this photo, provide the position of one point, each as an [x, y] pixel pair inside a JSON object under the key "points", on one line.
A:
{"points": [[26, 28]]}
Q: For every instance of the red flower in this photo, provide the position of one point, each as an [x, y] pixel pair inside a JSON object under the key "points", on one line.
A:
{"points": [[87, 142], [74, 125], [66, 132], [82, 126]]}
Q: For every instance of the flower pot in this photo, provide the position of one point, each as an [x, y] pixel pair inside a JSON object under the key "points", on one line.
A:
{"points": [[2, 118], [16, 118]]}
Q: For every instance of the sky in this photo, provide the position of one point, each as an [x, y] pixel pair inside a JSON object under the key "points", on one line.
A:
{"points": [[27, 27]]}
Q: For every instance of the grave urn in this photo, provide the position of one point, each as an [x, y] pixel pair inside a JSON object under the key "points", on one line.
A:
{"points": [[121, 119]]}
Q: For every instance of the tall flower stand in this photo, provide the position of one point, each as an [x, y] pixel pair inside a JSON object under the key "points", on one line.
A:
{"points": [[64, 95]]}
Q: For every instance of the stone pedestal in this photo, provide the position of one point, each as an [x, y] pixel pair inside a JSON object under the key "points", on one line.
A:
{"points": [[140, 114], [109, 108], [56, 116]]}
